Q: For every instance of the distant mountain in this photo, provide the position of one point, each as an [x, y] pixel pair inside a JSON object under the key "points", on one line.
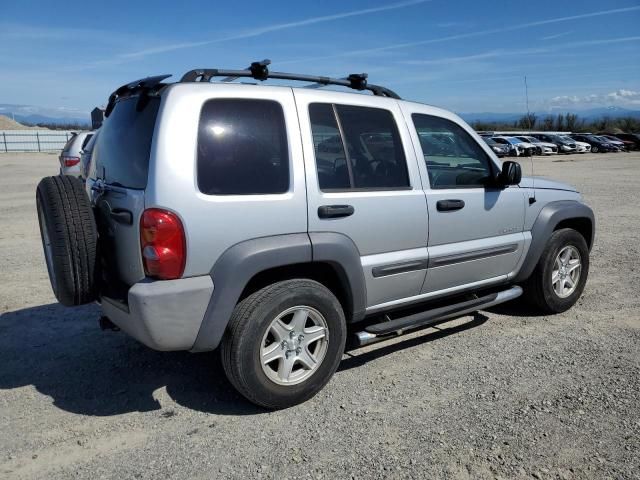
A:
{"points": [[589, 114], [613, 112], [490, 117], [35, 114]]}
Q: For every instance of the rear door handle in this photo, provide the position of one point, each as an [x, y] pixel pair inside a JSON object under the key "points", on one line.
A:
{"points": [[335, 211], [449, 205]]}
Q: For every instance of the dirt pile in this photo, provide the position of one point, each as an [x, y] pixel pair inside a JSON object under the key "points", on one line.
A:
{"points": [[7, 123]]}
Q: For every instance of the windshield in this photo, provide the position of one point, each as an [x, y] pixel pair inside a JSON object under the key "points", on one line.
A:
{"points": [[121, 151]]}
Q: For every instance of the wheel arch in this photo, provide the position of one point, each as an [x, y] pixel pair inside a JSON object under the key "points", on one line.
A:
{"points": [[552, 217], [332, 259]]}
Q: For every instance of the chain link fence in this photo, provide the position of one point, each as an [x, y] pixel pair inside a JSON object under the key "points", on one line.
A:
{"points": [[33, 140]]}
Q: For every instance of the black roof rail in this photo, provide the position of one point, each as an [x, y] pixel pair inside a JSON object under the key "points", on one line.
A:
{"points": [[260, 71]]}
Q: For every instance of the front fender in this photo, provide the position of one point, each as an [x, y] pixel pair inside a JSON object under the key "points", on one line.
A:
{"points": [[548, 219]]}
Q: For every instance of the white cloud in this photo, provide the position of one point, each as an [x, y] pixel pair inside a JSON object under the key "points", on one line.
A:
{"points": [[557, 35], [621, 97], [461, 36], [273, 28]]}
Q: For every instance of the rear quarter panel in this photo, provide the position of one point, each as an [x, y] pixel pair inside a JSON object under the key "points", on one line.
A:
{"points": [[213, 223]]}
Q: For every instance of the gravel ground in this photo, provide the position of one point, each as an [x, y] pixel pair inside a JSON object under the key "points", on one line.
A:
{"points": [[501, 395]]}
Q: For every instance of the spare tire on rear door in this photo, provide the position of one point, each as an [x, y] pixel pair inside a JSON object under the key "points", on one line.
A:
{"points": [[69, 238]]}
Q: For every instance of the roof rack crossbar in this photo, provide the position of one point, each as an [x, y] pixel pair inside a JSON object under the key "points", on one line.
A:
{"points": [[260, 71]]}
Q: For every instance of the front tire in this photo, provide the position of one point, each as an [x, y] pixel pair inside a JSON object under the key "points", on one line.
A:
{"points": [[561, 273], [594, 149], [284, 343]]}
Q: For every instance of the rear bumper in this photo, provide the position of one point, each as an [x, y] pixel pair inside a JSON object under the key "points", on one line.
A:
{"points": [[164, 315], [73, 171]]}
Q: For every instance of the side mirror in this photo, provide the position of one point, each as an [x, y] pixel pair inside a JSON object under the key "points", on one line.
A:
{"points": [[511, 173]]}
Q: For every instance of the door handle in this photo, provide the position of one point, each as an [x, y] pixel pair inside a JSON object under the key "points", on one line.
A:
{"points": [[449, 205], [335, 211]]}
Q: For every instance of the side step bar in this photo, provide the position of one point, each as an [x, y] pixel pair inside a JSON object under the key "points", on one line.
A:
{"points": [[382, 331]]}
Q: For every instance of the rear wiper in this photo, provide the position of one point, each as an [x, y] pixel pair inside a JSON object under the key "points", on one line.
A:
{"points": [[100, 187]]}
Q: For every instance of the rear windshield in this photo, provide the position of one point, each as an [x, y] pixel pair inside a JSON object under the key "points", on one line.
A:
{"points": [[121, 151]]}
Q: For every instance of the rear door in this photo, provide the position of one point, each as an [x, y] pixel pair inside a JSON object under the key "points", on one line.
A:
{"points": [[475, 230], [363, 182], [117, 181]]}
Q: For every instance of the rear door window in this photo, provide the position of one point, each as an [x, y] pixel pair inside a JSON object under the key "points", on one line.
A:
{"points": [[121, 151], [242, 148], [357, 148]]}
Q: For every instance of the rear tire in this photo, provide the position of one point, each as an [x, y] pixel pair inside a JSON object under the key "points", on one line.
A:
{"points": [[69, 238], [264, 353], [561, 273]]}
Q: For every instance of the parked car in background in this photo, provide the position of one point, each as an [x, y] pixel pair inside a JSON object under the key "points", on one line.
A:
{"points": [[581, 147], [616, 145], [85, 156], [70, 156], [498, 148], [517, 147], [633, 138], [542, 148], [623, 145], [597, 144], [564, 145]]}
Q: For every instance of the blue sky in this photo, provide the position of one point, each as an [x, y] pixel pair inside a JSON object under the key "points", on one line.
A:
{"points": [[466, 56]]}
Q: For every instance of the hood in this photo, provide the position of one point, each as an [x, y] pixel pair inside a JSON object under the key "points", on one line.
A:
{"points": [[546, 144], [546, 184]]}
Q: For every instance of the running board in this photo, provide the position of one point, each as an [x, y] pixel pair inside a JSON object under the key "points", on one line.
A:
{"points": [[399, 326]]}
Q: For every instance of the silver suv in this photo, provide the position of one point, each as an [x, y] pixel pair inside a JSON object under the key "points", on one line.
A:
{"points": [[270, 221]]}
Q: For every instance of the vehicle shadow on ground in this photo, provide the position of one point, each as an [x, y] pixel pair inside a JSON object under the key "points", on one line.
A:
{"points": [[63, 354], [516, 308]]}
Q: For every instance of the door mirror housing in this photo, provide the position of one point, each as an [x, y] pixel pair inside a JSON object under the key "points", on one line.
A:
{"points": [[511, 173]]}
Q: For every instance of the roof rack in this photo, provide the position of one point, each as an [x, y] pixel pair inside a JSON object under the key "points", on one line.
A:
{"points": [[260, 71]]}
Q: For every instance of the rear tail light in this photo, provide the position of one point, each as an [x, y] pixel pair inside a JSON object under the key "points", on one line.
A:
{"points": [[70, 161], [162, 240]]}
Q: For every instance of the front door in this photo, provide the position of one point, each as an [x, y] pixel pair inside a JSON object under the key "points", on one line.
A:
{"points": [[363, 183], [475, 230]]}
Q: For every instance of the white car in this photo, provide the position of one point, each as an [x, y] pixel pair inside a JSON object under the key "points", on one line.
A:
{"points": [[517, 147], [70, 156], [581, 147], [542, 148]]}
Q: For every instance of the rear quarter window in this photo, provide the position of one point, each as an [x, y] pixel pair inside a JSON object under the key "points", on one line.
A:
{"points": [[242, 148], [86, 140]]}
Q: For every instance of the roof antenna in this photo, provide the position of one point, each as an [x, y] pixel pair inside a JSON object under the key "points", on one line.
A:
{"points": [[532, 199]]}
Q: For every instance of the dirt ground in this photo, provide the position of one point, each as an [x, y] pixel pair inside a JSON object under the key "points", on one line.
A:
{"points": [[502, 395]]}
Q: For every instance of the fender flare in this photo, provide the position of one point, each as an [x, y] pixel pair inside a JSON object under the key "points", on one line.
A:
{"points": [[240, 263], [548, 219]]}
